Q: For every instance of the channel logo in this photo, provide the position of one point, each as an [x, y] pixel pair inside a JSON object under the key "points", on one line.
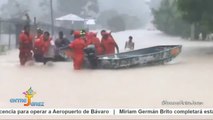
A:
{"points": [[28, 100]]}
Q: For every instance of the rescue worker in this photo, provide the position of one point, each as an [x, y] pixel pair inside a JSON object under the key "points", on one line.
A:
{"points": [[130, 45], [25, 45], [104, 31], [37, 49], [96, 41], [85, 36], [77, 46], [47, 48], [108, 44]]}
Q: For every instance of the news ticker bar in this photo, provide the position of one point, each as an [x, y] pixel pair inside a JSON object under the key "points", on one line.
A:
{"points": [[109, 112]]}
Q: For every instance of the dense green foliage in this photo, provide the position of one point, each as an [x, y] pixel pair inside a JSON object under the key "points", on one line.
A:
{"points": [[198, 12], [176, 16], [168, 19]]}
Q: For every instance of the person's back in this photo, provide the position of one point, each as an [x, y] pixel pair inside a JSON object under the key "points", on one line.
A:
{"points": [[78, 46], [96, 42], [25, 46], [25, 41]]}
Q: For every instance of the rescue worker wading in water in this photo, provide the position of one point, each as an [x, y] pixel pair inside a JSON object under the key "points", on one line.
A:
{"points": [[95, 41], [25, 46], [77, 47], [48, 52], [38, 53]]}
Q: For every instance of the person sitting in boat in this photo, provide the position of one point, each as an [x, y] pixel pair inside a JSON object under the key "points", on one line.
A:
{"points": [[108, 44], [60, 42], [130, 45]]}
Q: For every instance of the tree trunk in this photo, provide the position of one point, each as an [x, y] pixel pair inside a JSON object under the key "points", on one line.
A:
{"points": [[192, 31]]}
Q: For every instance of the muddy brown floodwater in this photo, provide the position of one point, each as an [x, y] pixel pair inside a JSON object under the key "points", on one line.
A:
{"points": [[189, 77]]}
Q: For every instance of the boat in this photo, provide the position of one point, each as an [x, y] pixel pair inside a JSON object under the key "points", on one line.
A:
{"points": [[149, 56]]}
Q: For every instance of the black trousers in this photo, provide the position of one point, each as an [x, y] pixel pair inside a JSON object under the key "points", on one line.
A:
{"points": [[45, 60], [38, 57], [41, 58]]}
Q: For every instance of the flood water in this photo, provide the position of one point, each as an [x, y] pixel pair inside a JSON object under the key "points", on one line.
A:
{"points": [[188, 77]]}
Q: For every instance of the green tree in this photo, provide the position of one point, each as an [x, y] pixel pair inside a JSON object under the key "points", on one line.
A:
{"points": [[199, 13], [168, 19]]}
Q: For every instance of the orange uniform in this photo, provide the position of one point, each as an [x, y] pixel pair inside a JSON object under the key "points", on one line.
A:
{"points": [[78, 46], [109, 45], [88, 39], [38, 46], [96, 41], [45, 45], [26, 46], [42, 45]]}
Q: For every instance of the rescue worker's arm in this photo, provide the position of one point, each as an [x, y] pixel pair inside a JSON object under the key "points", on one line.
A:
{"points": [[25, 43], [22, 40], [69, 46], [133, 46], [125, 45], [116, 45]]}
